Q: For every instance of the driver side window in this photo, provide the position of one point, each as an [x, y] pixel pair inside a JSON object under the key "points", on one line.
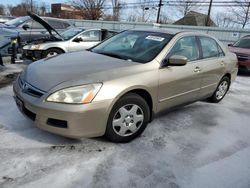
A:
{"points": [[187, 47], [93, 35]]}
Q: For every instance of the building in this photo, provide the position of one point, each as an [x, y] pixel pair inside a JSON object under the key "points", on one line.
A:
{"points": [[60, 10], [196, 19]]}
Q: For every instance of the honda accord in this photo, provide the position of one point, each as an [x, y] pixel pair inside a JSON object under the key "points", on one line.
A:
{"points": [[116, 88]]}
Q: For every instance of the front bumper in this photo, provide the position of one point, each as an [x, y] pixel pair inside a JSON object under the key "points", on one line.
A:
{"points": [[244, 65], [33, 55], [75, 121]]}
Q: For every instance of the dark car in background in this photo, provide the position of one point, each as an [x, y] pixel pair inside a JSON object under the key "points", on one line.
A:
{"points": [[29, 29], [242, 49], [6, 35]]}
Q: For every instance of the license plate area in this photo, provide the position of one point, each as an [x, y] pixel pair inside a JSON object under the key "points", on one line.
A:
{"points": [[19, 103], [24, 110]]}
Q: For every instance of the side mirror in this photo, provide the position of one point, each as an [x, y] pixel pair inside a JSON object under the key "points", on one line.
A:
{"points": [[26, 26], [78, 39], [176, 60], [230, 45]]}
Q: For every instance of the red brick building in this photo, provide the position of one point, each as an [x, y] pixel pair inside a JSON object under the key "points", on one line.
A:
{"points": [[60, 10]]}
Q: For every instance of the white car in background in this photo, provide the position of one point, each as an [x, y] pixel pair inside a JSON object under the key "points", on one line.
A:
{"points": [[74, 39]]}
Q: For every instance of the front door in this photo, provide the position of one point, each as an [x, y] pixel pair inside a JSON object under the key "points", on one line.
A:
{"points": [[181, 84], [85, 40]]}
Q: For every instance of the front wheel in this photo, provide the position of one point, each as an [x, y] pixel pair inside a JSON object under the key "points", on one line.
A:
{"points": [[52, 52], [128, 118], [220, 91]]}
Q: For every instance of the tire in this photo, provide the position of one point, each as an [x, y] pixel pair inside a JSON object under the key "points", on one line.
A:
{"points": [[128, 118], [52, 52], [220, 91]]}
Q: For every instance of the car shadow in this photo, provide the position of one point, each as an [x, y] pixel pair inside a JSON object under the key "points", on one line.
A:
{"points": [[243, 73]]}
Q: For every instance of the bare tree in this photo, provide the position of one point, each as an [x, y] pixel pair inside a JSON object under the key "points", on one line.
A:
{"points": [[131, 17], [22, 8], [91, 9], [8, 9], [224, 20], [164, 19], [242, 12], [116, 5], [144, 11], [2, 10], [185, 6], [42, 9]]}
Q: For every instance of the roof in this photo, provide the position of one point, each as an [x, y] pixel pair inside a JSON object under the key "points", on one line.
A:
{"points": [[160, 30], [194, 18]]}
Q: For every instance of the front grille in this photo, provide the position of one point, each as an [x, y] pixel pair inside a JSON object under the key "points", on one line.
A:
{"points": [[29, 89], [37, 54]]}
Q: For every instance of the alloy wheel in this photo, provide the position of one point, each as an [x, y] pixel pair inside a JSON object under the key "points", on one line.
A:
{"points": [[222, 89], [128, 120]]}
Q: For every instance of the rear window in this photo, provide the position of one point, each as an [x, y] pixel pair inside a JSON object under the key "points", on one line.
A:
{"points": [[56, 24], [210, 48]]}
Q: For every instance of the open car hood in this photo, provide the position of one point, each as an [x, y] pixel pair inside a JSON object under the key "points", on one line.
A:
{"points": [[45, 24]]}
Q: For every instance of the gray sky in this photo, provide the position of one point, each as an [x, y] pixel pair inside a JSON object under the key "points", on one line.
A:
{"points": [[168, 11]]}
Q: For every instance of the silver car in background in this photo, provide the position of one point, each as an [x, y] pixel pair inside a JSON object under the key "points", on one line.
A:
{"points": [[74, 39]]}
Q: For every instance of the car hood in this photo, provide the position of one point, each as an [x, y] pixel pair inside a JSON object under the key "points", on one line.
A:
{"points": [[45, 24], [242, 51], [74, 68]]}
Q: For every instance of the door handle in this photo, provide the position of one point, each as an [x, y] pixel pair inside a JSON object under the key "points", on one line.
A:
{"points": [[222, 63], [197, 69]]}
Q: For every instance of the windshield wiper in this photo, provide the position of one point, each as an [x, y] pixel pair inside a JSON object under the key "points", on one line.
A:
{"points": [[113, 55], [110, 54]]}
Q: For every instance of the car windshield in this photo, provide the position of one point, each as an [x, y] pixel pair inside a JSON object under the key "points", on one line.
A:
{"points": [[18, 21], [71, 33], [243, 43], [138, 46]]}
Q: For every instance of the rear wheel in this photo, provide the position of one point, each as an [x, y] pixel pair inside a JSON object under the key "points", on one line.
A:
{"points": [[220, 91], [128, 118], [52, 52]]}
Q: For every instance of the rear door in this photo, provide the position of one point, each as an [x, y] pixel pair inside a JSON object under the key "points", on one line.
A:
{"points": [[213, 60], [181, 84], [88, 39]]}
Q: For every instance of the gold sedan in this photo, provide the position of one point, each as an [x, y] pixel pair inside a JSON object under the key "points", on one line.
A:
{"points": [[116, 88]]}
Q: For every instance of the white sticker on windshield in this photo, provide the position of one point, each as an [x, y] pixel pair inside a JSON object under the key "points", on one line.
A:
{"points": [[155, 38]]}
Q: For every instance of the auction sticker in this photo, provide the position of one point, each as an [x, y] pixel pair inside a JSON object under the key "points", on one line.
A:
{"points": [[155, 38]]}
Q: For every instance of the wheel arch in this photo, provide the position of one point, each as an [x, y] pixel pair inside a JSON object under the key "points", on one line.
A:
{"points": [[228, 75], [142, 92], [58, 48]]}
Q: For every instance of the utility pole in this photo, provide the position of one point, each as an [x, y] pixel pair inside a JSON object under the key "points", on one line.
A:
{"points": [[247, 14], [159, 12], [208, 14], [31, 6]]}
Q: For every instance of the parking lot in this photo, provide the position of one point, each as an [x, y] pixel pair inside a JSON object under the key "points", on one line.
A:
{"points": [[199, 145]]}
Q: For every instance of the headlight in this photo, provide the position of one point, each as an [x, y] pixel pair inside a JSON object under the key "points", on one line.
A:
{"points": [[76, 95], [35, 47]]}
